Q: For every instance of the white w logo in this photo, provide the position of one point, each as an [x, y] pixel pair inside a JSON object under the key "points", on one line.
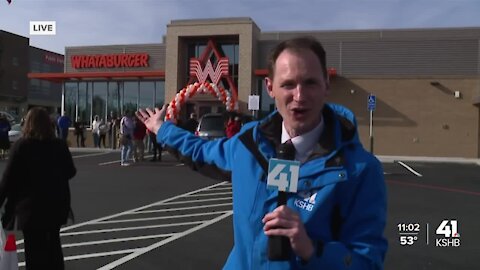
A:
{"points": [[215, 74]]}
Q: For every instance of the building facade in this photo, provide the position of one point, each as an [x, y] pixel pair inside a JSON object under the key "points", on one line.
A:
{"points": [[17, 59], [426, 81]]}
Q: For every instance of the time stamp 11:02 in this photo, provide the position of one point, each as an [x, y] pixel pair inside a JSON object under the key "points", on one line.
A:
{"points": [[446, 234]]}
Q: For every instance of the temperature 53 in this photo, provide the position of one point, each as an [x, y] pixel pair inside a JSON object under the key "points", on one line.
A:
{"points": [[408, 239]]}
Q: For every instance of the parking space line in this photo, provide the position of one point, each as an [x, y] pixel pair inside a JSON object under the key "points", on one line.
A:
{"points": [[409, 168], [116, 240], [180, 208], [174, 230], [454, 190], [197, 201], [210, 194], [136, 209], [91, 155], [133, 228], [161, 243], [160, 218], [118, 161], [224, 188], [94, 255]]}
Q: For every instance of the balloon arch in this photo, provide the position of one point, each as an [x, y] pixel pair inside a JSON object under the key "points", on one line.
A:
{"points": [[189, 91]]}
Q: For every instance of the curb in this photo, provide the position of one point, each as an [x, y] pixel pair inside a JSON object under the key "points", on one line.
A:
{"points": [[92, 149], [392, 159], [382, 158]]}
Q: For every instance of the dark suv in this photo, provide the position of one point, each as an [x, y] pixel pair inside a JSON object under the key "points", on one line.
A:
{"points": [[211, 126]]}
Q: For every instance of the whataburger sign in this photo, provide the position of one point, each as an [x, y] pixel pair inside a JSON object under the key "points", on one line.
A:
{"points": [[123, 60]]}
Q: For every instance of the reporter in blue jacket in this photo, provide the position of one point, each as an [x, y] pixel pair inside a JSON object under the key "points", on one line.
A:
{"points": [[337, 217]]}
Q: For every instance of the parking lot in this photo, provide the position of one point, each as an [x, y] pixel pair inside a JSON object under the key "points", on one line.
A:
{"points": [[162, 215]]}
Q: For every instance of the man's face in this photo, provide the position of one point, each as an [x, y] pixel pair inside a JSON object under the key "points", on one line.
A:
{"points": [[299, 90]]}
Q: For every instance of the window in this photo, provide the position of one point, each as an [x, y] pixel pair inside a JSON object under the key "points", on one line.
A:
{"points": [[159, 94], [71, 91], [99, 99], [267, 104], [114, 105], [87, 99], [35, 66], [146, 95], [84, 104], [130, 96]]}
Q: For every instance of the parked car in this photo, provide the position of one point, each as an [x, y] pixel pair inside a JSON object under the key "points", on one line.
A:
{"points": [[211, 126], [15, 133]]}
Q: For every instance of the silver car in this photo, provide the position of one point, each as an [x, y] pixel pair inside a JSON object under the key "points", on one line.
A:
{"points": [[211, 126], [15, 133]]}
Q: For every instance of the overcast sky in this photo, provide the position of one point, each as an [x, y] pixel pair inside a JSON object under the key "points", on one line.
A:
{"points": [[105, 22]]}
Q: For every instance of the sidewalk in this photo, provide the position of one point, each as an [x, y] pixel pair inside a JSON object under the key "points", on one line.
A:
{"points": [[92, 149], [391, 159], [382, 158]]}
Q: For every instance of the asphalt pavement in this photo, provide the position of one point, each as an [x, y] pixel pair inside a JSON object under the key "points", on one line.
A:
{"points": [[162, 215]]}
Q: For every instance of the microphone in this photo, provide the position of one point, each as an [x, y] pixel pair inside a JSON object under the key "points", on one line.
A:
{"points": [[279, 248]]}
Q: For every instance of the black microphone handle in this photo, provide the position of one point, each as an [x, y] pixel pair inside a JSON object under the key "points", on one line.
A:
{"points": [[279, 248]]}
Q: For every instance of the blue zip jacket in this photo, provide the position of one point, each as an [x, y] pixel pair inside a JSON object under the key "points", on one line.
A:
{"points": [[341, 196]]}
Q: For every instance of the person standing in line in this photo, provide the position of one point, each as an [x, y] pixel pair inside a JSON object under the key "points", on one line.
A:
{"points": [[102, 133], [113, 125], [127, 127], [156, 147], [191, 124], [79, 127], [96, 131], [63, 123], [5, 127], [233, 126], [138, 140], [35, 186], [336, 217]]}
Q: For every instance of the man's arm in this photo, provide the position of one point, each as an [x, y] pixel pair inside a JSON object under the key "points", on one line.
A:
{"points": [[211, 158]]}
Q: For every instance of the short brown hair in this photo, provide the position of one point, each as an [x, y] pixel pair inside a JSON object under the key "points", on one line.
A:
{"points": [[38, 125], [297, 44]]}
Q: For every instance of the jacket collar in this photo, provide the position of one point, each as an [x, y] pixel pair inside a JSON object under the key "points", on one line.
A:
{"points": [[271, 128]]}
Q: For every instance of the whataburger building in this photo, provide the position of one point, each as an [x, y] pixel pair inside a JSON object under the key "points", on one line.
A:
{"points": [[426, 81]]}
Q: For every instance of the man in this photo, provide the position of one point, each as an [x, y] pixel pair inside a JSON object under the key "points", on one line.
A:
{"points": [[337, 217], [79, 127], [192, 123], [113, 127], [64, 123], [127, 126], [233, 126]]}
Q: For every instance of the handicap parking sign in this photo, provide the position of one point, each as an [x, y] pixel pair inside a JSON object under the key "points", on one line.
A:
{"points": [[371, 102], [283, 175]]}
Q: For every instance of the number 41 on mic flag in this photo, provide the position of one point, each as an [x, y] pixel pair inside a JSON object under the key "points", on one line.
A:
{"points": [[283, 175]]}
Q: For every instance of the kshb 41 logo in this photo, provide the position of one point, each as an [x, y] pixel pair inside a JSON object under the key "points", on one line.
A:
{"points": [[448, 229]]}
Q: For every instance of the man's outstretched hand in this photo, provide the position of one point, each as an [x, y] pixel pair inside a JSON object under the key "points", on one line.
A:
{"points": [[153, 119]]}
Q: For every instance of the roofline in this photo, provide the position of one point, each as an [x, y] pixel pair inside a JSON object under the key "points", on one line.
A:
{"points": [[76, 76]]}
